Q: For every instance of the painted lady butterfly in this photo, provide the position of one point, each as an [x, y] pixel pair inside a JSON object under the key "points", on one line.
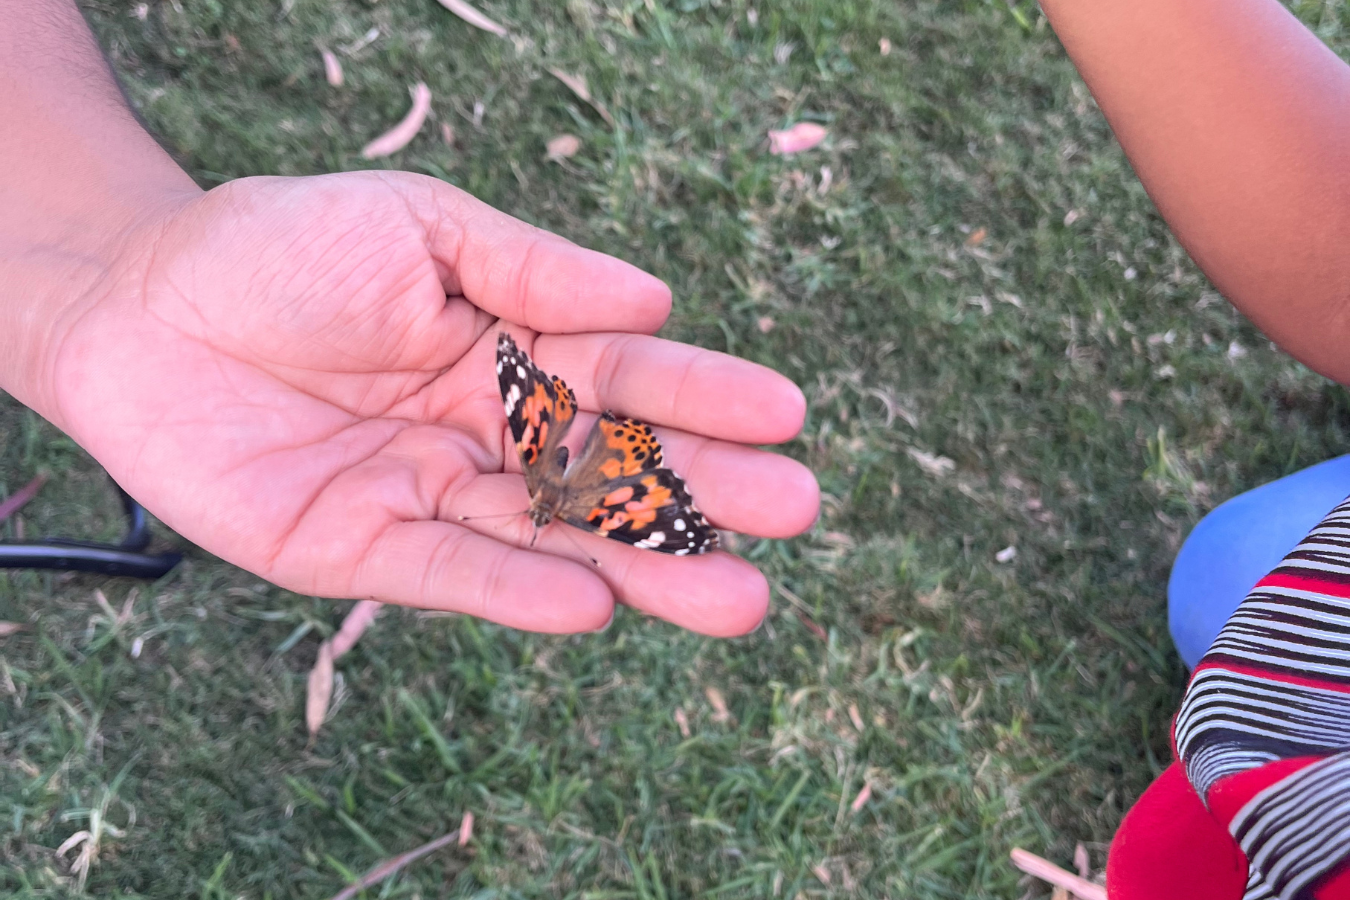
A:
{"points": [[616, 488]]}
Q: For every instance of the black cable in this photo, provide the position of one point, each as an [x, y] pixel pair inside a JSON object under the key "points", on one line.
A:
{"points": [[125, 558]]}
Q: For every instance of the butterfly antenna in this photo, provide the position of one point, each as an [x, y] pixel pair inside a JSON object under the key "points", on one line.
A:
{"points": [[490, 516], [575, 543]]}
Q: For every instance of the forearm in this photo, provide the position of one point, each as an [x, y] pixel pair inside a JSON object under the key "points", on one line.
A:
{"points": [[1237, 120], [78, 175]]}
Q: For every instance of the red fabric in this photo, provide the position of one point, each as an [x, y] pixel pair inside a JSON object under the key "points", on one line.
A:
{"points": [[1294, 582], [1335, 886], [1170, 848], [1230, 794]]}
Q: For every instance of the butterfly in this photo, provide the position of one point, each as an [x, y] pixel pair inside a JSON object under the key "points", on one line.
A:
{"points": [[616, 488]]}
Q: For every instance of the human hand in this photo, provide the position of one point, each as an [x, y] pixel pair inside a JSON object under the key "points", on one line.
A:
{"points": [[277, 373]]}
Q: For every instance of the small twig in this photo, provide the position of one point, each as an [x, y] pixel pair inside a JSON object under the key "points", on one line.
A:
{"points": [[15, 502], [1047, 871], [390, 866]]}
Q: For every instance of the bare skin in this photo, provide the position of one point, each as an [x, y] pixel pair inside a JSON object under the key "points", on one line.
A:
{"points": [[298, 374], [1237, 120]]}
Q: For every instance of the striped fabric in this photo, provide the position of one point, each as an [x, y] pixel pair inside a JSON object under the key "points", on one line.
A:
{"points": [[1273, 696]]}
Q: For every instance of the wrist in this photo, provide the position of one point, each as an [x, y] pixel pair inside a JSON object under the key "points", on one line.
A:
{"points": [[82, 186], [55, 267]]}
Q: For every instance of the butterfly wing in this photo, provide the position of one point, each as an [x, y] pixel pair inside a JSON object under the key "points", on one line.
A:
{"points": [[539, 410], [618, 489]]}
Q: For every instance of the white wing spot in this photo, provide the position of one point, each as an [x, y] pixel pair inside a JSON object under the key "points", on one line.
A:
{"points": [[655, 539], [512, 398], [499, 367], [679, 525], [520, 371], [682, 552]]}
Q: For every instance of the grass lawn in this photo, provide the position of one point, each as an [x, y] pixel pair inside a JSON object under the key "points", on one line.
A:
{"points": [[1002, 347]]}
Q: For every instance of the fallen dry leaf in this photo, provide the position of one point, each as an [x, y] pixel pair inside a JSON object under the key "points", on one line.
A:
{"points": [[863, 796], [398, 137], [822, 873], [1047, 871], [765, 324], [466, 829], [381, 871], [1006, 555], [8, 628], [884, 45], [719, 705], [1060, 893], [977, 237], [800, 137], [355, 623], [855, 716], [473, 16], [683, 722], [577, 85], [16, 501], [447, 134], [564, 146], [319, 690], [332, 69], [1081, 861]]}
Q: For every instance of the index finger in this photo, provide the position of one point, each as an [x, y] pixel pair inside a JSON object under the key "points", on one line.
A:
{"points": [[679, 385], [529, 276]]}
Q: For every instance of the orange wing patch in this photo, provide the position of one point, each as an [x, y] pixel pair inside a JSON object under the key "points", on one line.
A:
{"points": [[535, 413], [643, 510], [637, 447], [537, 405], [635, 513], [619, 497], [567, 401]]}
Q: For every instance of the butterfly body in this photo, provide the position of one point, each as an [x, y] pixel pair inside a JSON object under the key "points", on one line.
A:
{"points": [[616, 487]]}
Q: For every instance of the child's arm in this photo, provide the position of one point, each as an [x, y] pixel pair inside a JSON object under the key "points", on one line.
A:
{"points": [[1237, 120]]}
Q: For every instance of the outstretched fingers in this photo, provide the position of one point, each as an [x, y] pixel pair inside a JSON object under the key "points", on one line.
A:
{"points": [[713, 593], [716, 594], [674, 384], [743, 489], [444, 566]]}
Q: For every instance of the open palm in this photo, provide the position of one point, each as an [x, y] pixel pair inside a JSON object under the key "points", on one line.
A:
{"points": [[298, 375]]}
